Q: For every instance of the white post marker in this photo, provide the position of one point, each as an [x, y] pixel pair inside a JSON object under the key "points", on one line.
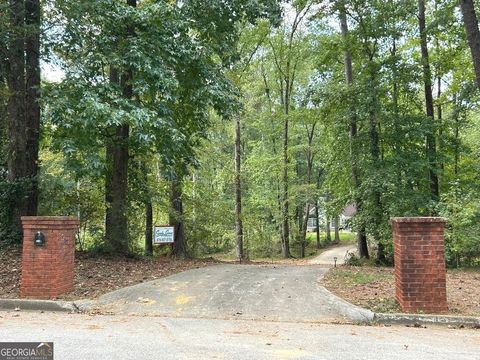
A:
{"points": [[163, 235]]}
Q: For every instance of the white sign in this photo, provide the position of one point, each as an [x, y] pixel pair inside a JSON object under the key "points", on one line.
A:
{"points": [[163, 235]]}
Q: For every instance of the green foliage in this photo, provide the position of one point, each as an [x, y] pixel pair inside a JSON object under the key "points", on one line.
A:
{"points": [[62, 193], [351, 259], [462, 238], [209, 198], [197, 64], [177, 54], [10, 193]]}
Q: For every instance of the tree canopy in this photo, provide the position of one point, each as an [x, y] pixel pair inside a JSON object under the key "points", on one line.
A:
{"points": [[238, 121]]}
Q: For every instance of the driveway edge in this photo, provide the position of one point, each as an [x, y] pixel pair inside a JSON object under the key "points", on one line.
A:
{"points": [[349, 311]]}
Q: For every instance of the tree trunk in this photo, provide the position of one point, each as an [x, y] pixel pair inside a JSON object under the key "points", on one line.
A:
{"points": [[285, 200], [32, 104], [238, 192], [441, 144], [427, 79], [109, 150], [286, 85], [108, 191], [361, 234], [317, 226], [310, 158], [278, 222], [116, 178], [473, 34], [375, 154], [176, 218], [116, 230], [362, 245], [303, 238], [328, 235], [16, 155], [456, 148], [148, 228], [116, 225], [337, 230]]}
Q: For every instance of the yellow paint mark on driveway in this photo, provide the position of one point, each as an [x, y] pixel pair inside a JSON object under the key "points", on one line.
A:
{"points": [[182, 299]]}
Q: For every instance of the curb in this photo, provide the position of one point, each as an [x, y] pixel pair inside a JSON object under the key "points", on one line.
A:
{"points": [[45, 305], [37, 305], [351, 312], [415, 320]]}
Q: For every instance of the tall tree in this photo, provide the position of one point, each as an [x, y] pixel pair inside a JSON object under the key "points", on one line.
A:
{"points": [[176, 217], [317, 225], [470, 22], [116, 228], [355, 175], [370, 48], [23, 80], [431, 148], [32, 99], [286, 62], [158, 101], [149, 228], [310, 158], [336, 225], [328, 233], [238, 192]]}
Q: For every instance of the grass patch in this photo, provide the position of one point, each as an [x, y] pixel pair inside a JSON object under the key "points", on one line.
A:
{"points": [[346, 237], [357, 277]]}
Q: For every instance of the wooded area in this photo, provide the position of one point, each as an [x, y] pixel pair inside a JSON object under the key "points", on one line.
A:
{"points": [[237, 120]]}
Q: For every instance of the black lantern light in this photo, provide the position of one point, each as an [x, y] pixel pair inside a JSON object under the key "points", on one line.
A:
{"points": [[39, 239]]}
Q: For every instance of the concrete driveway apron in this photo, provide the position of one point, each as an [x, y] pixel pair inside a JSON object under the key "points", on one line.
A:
{"points": [[254, 292]]}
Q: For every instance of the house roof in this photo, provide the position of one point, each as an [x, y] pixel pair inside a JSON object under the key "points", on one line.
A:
{"points": [[350, 210]]}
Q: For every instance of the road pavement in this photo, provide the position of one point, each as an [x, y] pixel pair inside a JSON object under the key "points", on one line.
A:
{"points": [[130, 337]]}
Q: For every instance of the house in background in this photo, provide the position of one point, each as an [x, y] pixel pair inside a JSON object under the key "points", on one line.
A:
{"points": [[344, 219]]}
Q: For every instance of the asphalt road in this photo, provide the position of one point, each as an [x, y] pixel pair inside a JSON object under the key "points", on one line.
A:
{"points": [[79, 337], [260, 292]]}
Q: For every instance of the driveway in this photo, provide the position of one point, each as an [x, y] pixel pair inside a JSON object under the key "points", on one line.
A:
{"points": [[327, 256], [253, 292]]}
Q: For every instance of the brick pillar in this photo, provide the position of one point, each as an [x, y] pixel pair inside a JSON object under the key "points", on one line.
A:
{"points": [[48, 271], [420, 275]]}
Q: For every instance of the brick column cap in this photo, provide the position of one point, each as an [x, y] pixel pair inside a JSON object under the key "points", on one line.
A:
{"points": [[419, 219]]}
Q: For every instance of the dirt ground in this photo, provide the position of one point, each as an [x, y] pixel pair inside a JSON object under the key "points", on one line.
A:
{"points": [[374, 288], [96, 275]]}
